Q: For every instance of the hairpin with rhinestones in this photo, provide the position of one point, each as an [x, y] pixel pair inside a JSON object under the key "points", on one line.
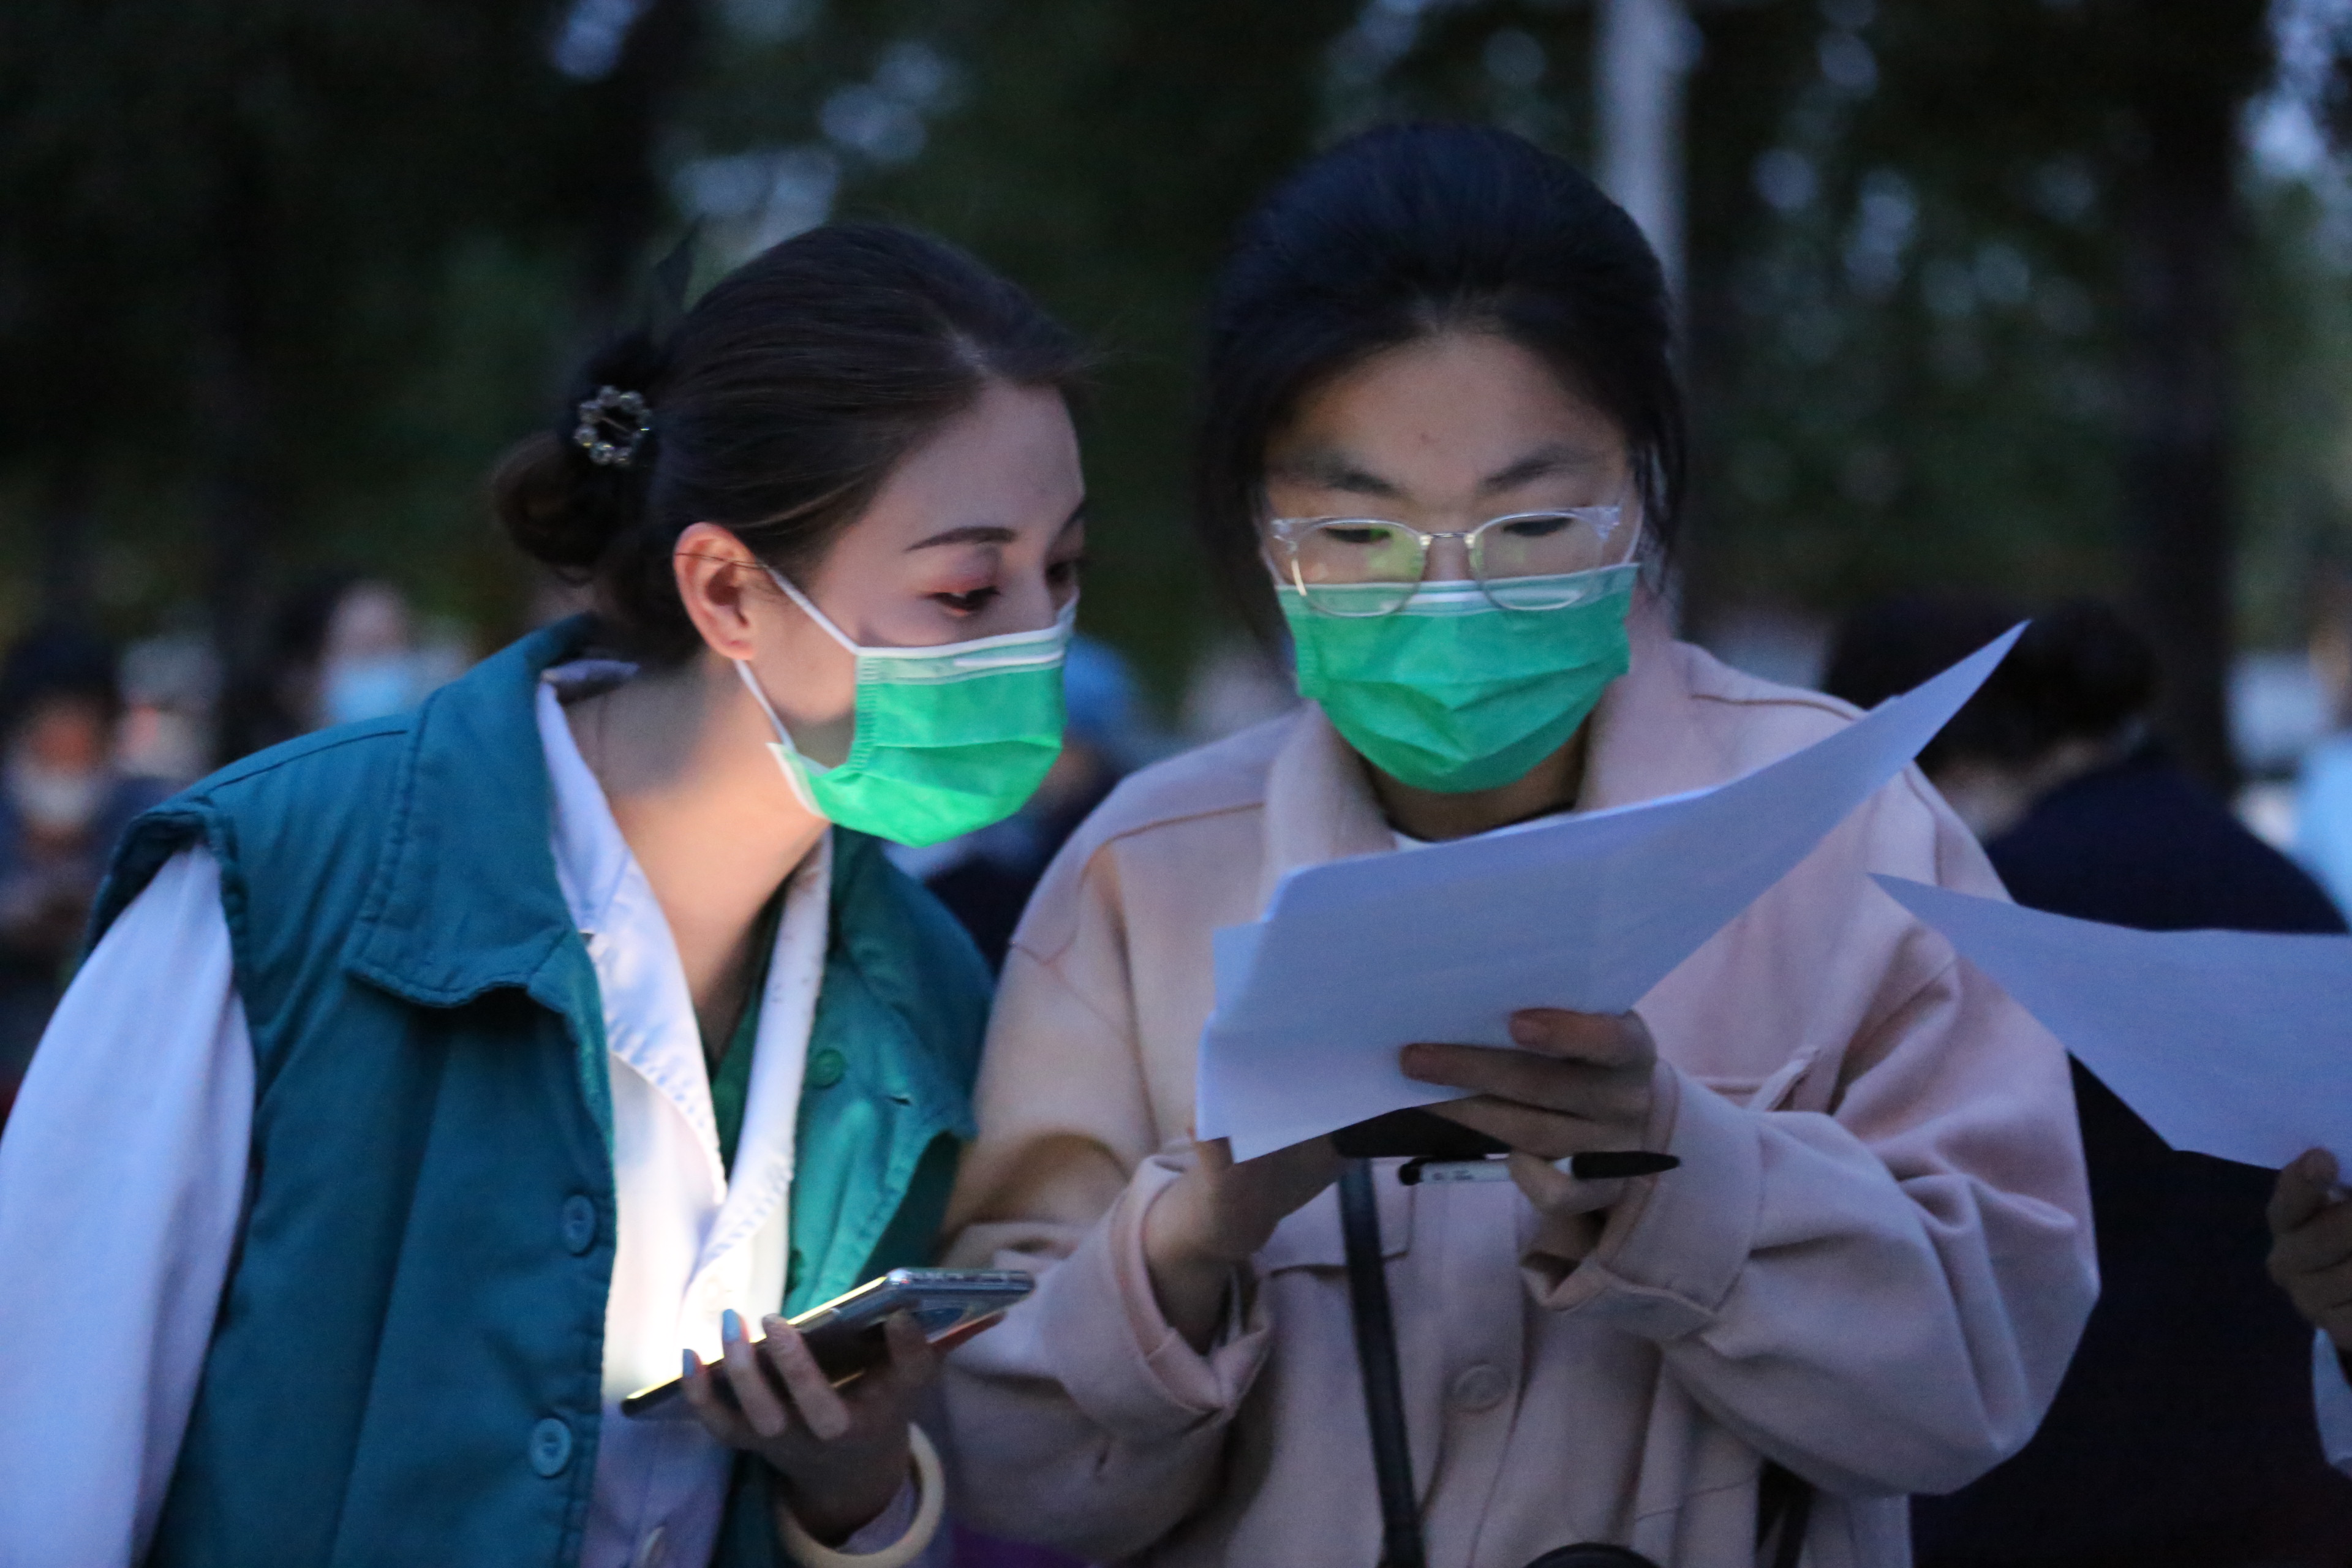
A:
{"points": [[612, 425]]}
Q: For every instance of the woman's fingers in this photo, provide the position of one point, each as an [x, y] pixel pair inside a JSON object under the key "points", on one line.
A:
{"points": [[1577, 1088], [813, 1395], [1615, 1040], [2323, 1240], [1553, 1191], [721, 1422], [758, 1399], [2302, 1190], [913, 1361]]}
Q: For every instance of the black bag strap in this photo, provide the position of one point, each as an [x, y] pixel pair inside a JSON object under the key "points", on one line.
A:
{"points": [[1784, 1501], [1375, 1352]]}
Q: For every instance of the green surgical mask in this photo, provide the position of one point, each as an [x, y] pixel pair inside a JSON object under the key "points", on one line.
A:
{"points": [[949, 739], [1452, 692]]}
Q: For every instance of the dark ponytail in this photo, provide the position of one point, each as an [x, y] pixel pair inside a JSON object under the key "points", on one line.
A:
{"points": [[1404, 232], [778, 407]]}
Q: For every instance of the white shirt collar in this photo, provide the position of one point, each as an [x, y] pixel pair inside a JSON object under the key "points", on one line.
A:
{"points": [[649, 1022]]}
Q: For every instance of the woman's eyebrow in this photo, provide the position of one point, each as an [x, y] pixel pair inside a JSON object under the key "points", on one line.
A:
{"points": [[1540, 464], [1329, 471], [972, 533]]}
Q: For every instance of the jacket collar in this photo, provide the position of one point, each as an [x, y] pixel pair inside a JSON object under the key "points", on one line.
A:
{"points": [[463, 899], [1319, 805]]}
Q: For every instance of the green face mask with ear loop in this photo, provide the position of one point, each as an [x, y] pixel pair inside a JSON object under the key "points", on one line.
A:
{"points": [[949, 739], [1450, 691]]}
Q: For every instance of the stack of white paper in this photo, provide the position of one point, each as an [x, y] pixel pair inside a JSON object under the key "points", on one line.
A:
{"points": [[2227, 1043], [1358, 958]]}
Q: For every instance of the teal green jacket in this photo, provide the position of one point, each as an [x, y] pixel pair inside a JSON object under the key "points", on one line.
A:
{"points": [[407, 1367]]}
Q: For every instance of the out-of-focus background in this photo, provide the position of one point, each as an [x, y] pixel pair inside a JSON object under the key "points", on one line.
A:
{"points": [[2047, 297], [2050, 295]]}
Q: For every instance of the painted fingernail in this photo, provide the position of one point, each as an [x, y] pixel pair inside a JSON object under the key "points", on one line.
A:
{"points": [[691, 1365], [730, 1326]]}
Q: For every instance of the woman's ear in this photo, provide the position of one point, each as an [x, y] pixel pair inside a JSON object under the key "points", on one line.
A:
{"points": [[717, 580]]}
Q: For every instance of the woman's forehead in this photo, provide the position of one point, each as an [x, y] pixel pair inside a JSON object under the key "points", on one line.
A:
{"points": [[1478, 406]]}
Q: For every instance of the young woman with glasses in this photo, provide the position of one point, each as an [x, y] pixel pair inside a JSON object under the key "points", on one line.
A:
{"points": [[1442, 440]]}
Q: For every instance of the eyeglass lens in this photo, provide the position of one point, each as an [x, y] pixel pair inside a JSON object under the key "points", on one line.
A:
{"points": [[1361, 566]]}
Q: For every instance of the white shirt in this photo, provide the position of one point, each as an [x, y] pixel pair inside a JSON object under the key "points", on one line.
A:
{"points": [[122, 1180]]}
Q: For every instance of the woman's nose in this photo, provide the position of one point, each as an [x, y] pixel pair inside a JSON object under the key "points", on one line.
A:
{"points": [[1449, 560]]}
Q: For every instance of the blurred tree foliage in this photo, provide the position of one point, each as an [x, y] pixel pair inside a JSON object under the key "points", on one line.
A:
{"points": [[1100, 153], [281, 275], [1963, 284], [1978, 293]]}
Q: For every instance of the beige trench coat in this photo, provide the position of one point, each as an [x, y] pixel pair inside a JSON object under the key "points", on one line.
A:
{"points": [[1872, 1266]]}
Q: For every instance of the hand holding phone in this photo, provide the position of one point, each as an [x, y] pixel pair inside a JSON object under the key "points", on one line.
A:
{"points": [[826, 1400], [845, 1336]]}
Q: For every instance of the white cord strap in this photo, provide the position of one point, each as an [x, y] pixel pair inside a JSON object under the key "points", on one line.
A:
{"points": [[930, 1507]]}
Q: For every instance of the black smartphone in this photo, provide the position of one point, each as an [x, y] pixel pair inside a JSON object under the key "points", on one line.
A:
{"points": [[845, 1334], [1413, 1134]]}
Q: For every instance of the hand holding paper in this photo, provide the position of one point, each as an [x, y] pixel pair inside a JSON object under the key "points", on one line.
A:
{"points": [[1358, 958], [2311, 1244]]}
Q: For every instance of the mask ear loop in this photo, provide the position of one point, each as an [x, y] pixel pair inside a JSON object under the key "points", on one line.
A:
{"points": [[809, 605], [786, 754]]}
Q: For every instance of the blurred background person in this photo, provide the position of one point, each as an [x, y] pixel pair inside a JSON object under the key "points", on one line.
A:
{"points": [[64, 802], [2182, 1433], [341, 648]]}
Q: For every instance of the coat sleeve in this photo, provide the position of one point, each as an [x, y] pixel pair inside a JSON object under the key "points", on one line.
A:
{"points": [[1882, 1296], [122, 1185], [1084, 1421]]}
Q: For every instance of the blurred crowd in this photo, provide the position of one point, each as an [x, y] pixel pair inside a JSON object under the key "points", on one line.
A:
{"points": [[92, 735]]}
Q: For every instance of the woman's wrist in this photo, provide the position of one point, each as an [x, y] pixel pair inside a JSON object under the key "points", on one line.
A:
{"points": [[1188, 1276], [812, 1548], [836, 1505]]}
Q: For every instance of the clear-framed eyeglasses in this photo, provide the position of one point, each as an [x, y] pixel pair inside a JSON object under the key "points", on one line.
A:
{"points": [[1523, 560]]}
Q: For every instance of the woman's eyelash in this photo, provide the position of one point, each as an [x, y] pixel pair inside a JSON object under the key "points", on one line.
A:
{"points": [[966, 603]]}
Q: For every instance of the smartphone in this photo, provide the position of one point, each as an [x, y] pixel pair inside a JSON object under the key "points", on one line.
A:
{"points": [[845, 1334]]}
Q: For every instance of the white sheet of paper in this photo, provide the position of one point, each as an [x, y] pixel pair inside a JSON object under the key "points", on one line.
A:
{"points": [[1360, 957], [2230, 1043]]}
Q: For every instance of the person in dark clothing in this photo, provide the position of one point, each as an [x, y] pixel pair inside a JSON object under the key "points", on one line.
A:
{"points": [[2182, 1432], [62, 806]]}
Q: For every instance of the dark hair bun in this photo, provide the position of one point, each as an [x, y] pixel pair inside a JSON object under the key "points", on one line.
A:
{"points": [[555, 503]]}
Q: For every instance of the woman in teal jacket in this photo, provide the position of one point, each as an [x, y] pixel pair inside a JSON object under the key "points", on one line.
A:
{"points": [[435, 1080]]}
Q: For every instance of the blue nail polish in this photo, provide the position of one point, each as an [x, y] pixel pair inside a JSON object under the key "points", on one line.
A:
{"points": [[692, 1365], [730, 1327]]}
